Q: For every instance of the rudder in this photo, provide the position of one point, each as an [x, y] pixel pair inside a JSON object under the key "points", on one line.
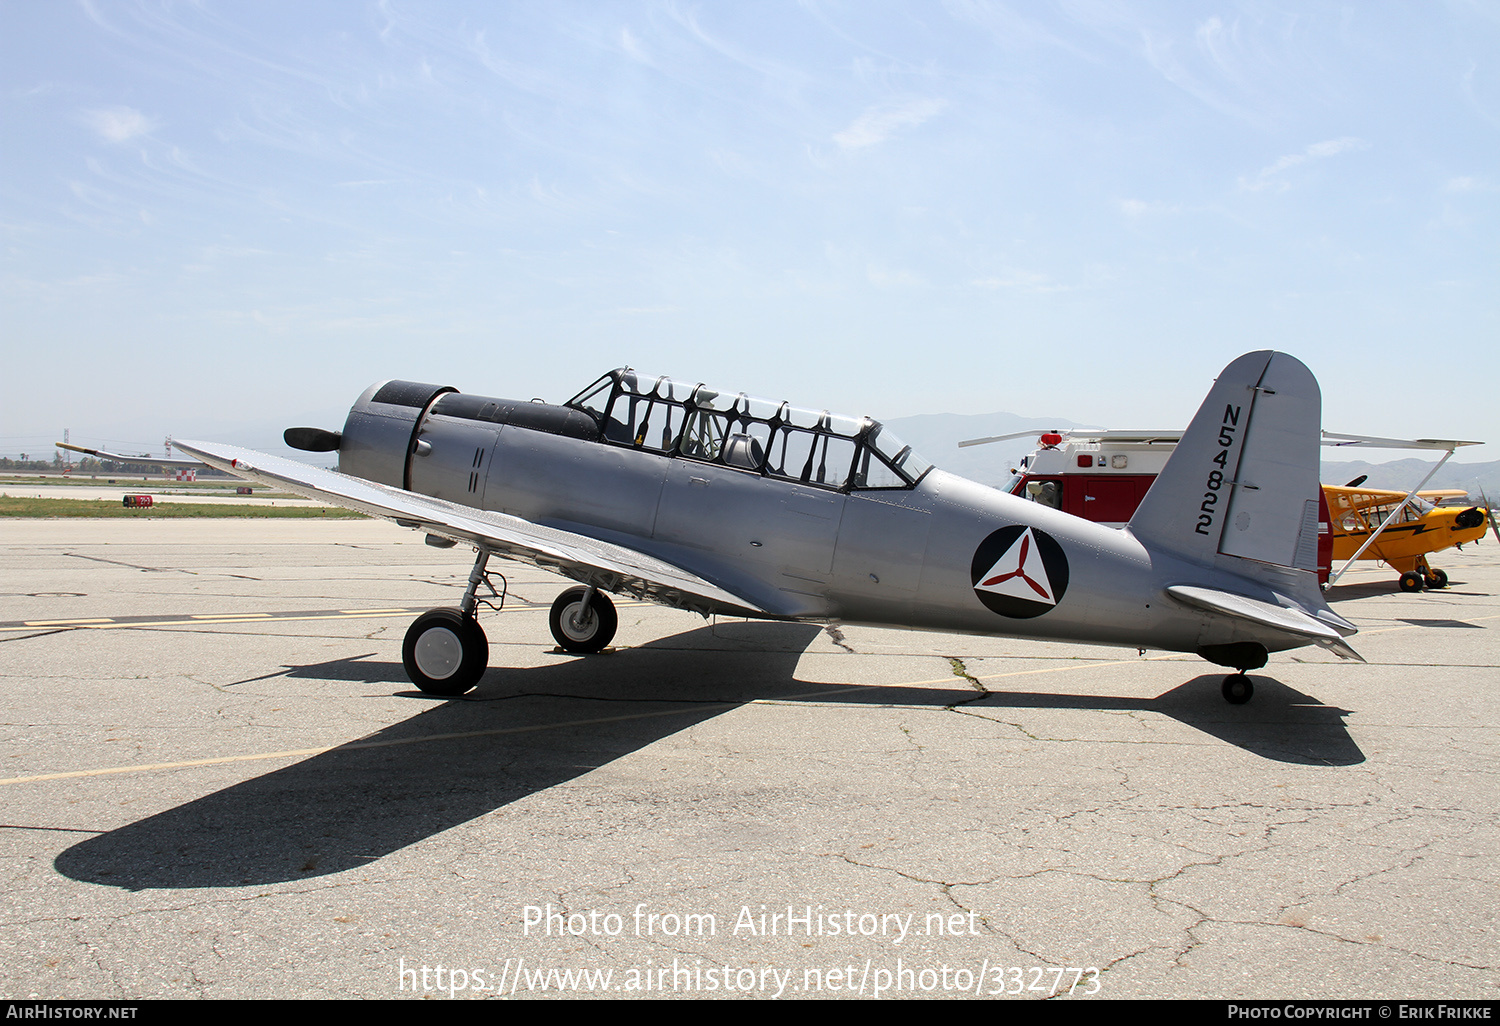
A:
{"points": [[1244, 479]]}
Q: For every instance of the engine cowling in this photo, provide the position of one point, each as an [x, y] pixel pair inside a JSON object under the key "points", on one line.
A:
{"points": [[380, 433], [430, 438]]}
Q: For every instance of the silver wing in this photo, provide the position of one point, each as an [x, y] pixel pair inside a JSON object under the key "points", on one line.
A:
{"points": [[147, 461], [609, 567]]}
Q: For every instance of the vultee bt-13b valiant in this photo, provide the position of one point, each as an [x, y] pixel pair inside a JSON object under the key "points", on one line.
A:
{"points": [[721, 503]]}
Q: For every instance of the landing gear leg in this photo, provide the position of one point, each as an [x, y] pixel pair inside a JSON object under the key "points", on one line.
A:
{"points": [[445, 651], [583, 620]]}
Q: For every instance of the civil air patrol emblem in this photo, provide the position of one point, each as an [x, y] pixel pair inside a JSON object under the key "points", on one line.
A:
{"points": [[1019, 572]]}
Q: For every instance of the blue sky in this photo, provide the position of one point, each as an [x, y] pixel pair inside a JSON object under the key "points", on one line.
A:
{"points": [[223, 218]]}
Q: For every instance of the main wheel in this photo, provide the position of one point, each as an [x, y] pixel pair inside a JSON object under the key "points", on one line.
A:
{"points": [[1412, 581], [445, 652], [1237, 689], [1436, 579], [580, 629]]}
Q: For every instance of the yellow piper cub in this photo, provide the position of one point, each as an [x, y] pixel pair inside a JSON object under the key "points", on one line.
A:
{"points": [[1423, 527]]}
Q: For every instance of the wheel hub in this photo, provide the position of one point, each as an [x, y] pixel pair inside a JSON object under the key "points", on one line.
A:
{"points": [[579, 622], [438, 653]]}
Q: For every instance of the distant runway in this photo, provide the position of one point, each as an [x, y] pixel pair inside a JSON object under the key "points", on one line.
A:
{"points": [[218, 782]]}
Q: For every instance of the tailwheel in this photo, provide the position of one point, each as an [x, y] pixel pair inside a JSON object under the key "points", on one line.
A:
{"points": [[445, 652], [583, 620], [1436, 579], [1237, 689], [1412, 581]]}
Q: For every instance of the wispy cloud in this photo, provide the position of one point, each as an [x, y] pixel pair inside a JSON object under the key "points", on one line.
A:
{"points": [[118, 124], [642, 311], [884, 278], [1009, 28], [1199, 70], [877, 124], [1134, 208], [1019, 281], [1467, 183], [632, 47], [1268, 176]]}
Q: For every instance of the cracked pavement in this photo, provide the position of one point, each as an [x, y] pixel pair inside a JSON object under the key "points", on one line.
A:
{"points": [[241, 808]]}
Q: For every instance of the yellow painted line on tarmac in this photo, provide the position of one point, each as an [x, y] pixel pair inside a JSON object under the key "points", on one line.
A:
{"points": [[196, 621], [1081, 665], [302, 753], [258, 618], [108, 623], [298, 753], [1088, 666], [707, 707]]}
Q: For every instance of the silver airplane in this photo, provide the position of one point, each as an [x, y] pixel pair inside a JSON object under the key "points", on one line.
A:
{"points": [[722, 503]]}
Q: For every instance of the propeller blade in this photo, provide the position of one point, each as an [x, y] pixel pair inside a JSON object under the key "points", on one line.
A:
{"points": [[1490, 512]]}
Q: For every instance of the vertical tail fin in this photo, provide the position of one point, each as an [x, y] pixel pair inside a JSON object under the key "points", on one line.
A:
{"points": [[1244, 479]]}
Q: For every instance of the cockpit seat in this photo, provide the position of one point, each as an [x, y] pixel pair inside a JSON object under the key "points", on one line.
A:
{"points": [[744, 452]]}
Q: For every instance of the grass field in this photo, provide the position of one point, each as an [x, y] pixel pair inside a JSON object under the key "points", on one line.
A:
{"points": [[24, 507]]}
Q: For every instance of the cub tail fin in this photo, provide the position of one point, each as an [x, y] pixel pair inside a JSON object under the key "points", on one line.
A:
{"points": [[1244, 479]]}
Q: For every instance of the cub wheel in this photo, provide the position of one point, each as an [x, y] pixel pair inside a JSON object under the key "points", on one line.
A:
{"points": [[445, 652], [1436, 579], [1412, 581], [1237, 689], [580, 628]]}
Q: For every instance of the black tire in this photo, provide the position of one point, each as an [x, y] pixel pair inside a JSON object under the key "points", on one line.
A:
{"points": [[596, 630], [1412, 581], [445, 652], [1237, 689], [1436, 579]]}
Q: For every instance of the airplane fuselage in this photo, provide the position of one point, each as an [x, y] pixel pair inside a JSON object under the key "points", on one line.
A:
{"points": [[723, 503], [940, 552]]}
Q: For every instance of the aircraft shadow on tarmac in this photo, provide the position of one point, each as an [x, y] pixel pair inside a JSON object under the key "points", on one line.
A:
{"points": [[523, 731], [1341, 594]]}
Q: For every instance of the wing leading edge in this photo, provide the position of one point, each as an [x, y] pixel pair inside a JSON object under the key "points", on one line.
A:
{"points": [[605, 565]]}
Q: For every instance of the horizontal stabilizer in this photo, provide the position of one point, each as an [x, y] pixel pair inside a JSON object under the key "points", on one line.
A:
{"points": [[1264, 614]]}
